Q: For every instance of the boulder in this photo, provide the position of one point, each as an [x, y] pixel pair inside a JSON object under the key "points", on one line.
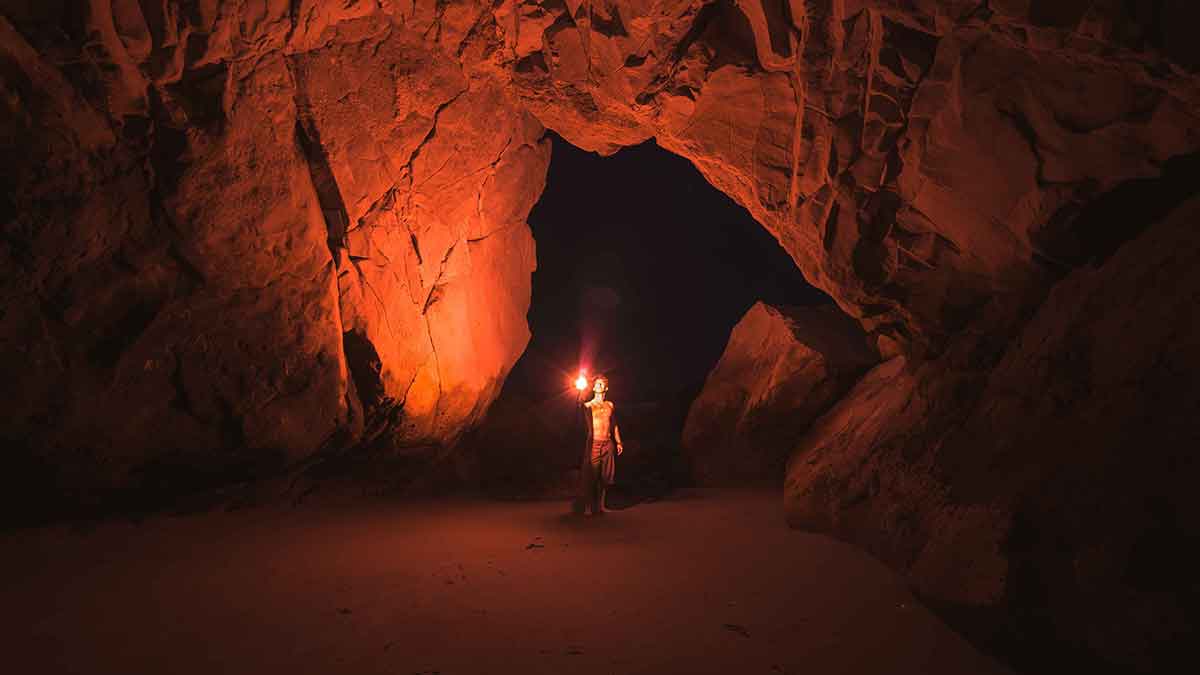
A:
{"points": [[782, 368]]}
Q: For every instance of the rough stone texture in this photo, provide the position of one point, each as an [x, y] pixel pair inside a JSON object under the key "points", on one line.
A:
{"points": [[1052, 498], [782, 368], [243, 233], [919, 161]]}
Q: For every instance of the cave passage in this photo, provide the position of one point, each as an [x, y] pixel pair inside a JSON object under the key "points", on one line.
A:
{"points": [[643, 270]]}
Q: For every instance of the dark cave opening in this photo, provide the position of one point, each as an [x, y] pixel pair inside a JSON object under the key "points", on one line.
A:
{"points": [[645, 289]]}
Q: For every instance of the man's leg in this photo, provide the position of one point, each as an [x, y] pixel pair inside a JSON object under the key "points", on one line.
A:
{"points": [[592, 482], [607, 471], [581, 494], [602, 466], [597, 502], [593, 487], [585, 499]]}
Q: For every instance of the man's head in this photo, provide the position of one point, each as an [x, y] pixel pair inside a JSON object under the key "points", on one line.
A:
{"points": [[600, 385]]}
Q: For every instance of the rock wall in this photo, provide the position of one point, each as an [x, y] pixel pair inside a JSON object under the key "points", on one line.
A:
{"points": [[782, 368], [1048, 500], [924, 162], [241, 233]]}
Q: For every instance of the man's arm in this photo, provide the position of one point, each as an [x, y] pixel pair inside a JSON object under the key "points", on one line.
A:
{"points": [[617, 431]]}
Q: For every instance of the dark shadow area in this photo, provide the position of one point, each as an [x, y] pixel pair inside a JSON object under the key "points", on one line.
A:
{"points": [[1091, 233], [643, 270]]}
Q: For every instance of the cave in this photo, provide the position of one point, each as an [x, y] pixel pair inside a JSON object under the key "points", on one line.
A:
{"points": [[896, 301], [645, 289]]}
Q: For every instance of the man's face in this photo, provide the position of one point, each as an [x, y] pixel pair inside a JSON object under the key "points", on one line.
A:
{"points": [[600, 387]]}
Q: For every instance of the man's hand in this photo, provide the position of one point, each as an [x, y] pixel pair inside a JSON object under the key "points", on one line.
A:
{"points": [[620, 448]]}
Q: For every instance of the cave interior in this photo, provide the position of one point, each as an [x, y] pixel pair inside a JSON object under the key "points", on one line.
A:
{"points": [[896, 300]]}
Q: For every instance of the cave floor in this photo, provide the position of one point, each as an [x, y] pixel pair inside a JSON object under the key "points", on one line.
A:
{"points": [[703, 582]]}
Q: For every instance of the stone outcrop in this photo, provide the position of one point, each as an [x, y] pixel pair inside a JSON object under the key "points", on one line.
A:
{"points": [[1052, 496], [782, 368], [239, 236]]}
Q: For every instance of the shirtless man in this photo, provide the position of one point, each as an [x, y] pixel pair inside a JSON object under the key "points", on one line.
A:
{"points": [[598, 465]]}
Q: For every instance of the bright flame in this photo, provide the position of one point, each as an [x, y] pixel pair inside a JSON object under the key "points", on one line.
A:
{"points": [[581, 383]]}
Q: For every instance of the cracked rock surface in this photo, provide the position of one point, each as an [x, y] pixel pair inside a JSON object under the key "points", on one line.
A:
{"points": [[245, 234], [923, 162]]}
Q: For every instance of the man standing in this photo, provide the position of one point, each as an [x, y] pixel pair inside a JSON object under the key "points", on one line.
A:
{"points": [[598, 463]]}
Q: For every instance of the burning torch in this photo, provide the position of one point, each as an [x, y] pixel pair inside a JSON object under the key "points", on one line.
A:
{"points": [[580, 385]]}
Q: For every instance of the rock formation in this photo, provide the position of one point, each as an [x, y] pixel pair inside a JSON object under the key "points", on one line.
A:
{"points": [[782, 368], [1042, 494], [238, 236], [235, 234], [923, 162]]}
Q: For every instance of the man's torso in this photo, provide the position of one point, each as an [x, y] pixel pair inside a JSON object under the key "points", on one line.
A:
{"points": [[601, 420]]}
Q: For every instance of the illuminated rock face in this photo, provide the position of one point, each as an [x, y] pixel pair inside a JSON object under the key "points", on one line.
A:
{"points": [[236, 233], [237, 238], [782, 367]]}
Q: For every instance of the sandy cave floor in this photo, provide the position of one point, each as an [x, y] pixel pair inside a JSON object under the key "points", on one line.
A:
{"points": [[705, 582]]}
